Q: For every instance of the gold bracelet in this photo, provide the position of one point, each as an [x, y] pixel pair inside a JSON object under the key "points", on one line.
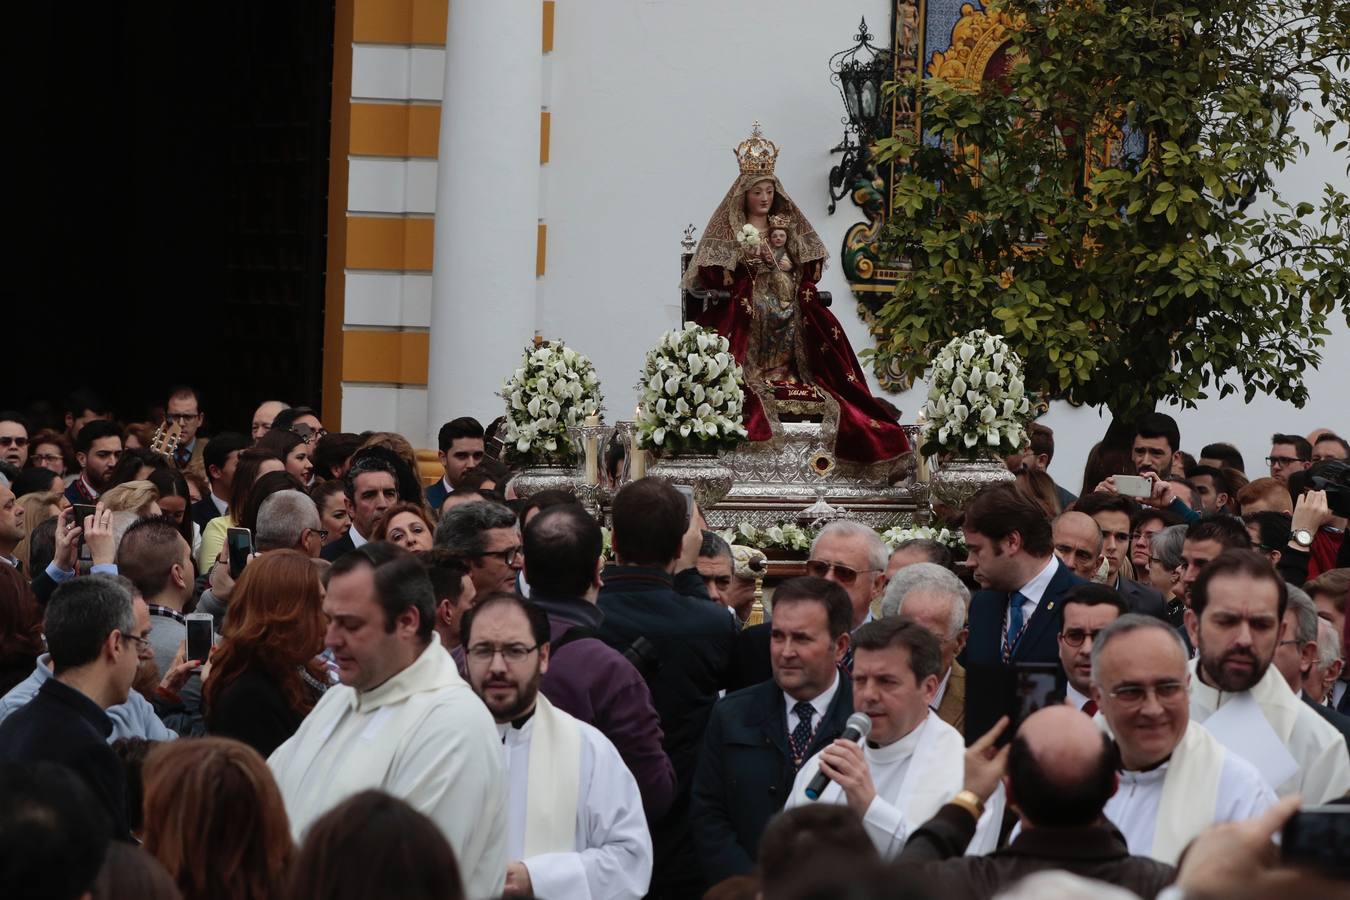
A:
{"points": [[970, 802]]}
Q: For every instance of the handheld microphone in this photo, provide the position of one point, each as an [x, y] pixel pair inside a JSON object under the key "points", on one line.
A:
{"points": [[858, 727]]}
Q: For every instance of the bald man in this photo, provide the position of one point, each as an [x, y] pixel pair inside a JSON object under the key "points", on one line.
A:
{"points": [[1058, 773], [1176, 779], [1078, 544]]}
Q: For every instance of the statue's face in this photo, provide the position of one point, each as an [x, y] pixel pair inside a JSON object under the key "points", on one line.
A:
{"points": [[777, 238], [759, 199]]}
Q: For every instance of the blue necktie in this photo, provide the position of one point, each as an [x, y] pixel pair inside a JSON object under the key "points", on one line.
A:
{"points": [[1015, 620], [800, 739]]}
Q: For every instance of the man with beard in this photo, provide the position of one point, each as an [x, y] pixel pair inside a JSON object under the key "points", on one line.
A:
{"points": [[1176, 779], [98, 447], [1236, 621], [575, 826]]}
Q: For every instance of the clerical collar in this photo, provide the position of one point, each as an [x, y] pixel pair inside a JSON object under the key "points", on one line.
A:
{"points": [[516, 724], [900, 750]]}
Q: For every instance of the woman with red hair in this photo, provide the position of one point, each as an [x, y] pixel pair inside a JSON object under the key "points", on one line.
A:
{"points": [[265, 677], [215, 819]]}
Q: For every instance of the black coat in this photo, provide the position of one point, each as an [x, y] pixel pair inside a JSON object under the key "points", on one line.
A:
{"points": [[932, 856], [1040, 637], [1141, 598], [745, 773], [252, 709], [338, 548], [62, 725], [750, 660], [204, 510], [1339, 719]]}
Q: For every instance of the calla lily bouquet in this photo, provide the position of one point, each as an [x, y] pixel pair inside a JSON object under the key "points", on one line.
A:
{"points": [[554, 387], [948, 537], [691, 398], [977, 402], [783, 536]]}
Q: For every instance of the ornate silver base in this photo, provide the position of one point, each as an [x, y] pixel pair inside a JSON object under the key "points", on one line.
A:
{"points": [[533, 479], [775, 483], [708, 474], [957, 481]]}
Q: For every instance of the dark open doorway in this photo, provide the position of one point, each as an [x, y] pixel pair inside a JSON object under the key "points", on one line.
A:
{"points": [[171, 199]]}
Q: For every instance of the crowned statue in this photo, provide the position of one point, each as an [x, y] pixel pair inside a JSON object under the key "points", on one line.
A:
{"points": [[797, 361]]}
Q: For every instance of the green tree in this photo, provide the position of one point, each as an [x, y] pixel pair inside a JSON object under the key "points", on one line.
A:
{"points": [[1097, 208]]}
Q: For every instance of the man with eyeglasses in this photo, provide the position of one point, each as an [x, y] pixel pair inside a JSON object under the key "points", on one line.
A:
{"points": [[1236, 620], [487, 536], [95, 632], [1088, 609], [1289, 453], [574, 820], [401, 721], [13, 439], [854, 557], [1113, 513], [184, 409], [1176, 779]]}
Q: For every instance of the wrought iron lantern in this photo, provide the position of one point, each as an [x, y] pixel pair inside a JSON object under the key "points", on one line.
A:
{"points": [[858, 73]]}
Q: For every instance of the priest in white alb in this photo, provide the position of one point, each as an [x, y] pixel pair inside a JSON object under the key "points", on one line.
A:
{"points": [[402, 721], [575, 825], [912, 762], [1236, 622], [1175, 778]]}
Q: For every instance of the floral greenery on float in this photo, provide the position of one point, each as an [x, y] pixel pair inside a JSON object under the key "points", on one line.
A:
{"points": [[783, 536], [691, 398], [949, 537], [977, 403], [554, 387]]}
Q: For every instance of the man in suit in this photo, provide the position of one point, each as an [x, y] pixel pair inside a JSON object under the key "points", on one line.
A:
{"points": [[935, 598], [1296, 655], [371, 487], [184, 409], [220, 458], [1113, 513], [460, 450], [758, 738], [1016, 618]]}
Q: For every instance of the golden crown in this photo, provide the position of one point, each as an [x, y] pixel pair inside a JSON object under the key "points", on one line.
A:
{"points": [[780, 220], [756, 154]]}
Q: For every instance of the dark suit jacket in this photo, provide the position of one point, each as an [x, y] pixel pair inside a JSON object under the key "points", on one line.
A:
{"points": [[1339, 719], [437, 493], [1040, 637], [750, 658], [339, 547], [1142, 598], [204, 510], [62, 725], [745, 773], [933, 856]]}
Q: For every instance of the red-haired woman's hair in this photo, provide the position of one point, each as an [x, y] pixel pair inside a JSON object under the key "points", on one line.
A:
{"points": [[215, 818], [275, 621]]}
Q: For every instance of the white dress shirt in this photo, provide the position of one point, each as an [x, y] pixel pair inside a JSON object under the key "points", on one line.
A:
{"points": [[821, 703]]}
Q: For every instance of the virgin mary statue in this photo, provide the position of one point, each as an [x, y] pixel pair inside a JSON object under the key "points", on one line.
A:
{"points": [[759, 247]]}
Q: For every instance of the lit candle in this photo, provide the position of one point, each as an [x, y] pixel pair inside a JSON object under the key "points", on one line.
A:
{"points": [[637, 466], [592, 452]]}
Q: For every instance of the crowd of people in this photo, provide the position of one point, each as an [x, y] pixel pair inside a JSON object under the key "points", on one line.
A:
{"points": [[445, 691]]}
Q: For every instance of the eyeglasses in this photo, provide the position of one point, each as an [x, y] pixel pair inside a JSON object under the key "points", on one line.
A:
{"points": [[509, 556], [47, 457], [819, 568], [1279, 462], [1293, 641], [1074, 637], [8, 440], [321, 532], [1134, 694], [307, 434], [512, 653], [142, 644], [183, 418]]}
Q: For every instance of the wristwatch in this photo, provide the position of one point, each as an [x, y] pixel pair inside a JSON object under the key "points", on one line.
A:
{"points": [[1303, 537], [970, 802]]}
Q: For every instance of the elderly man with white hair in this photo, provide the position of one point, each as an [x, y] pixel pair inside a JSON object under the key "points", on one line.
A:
{"points": [[1330, 662], [854, 556], [935, 598]]}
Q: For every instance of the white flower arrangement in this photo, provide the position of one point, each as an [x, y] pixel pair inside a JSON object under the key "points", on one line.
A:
{"points": [[553, 388], [748, 237], [783, 536], [948, 537], [691, 396], [976, 398]]}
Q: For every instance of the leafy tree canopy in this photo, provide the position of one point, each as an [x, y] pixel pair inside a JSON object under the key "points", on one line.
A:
{"points": [[1096, 206]]}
